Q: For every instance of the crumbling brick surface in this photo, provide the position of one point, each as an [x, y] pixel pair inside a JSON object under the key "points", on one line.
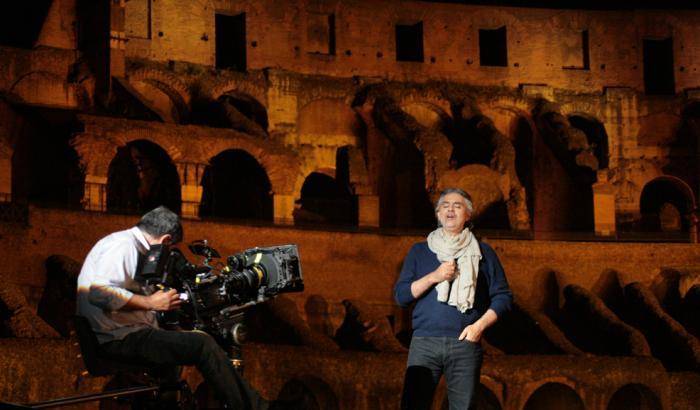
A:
{"points": [[366, 328], [669, 340], [19, 319], [57, 304], [595, 326]]}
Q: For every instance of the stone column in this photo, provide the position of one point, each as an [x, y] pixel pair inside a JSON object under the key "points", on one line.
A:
{"points": [[282, 104], [603, 205], [6, 179], [190, 188], [95, 195], [117, 38], [368, 210], [283, 209]]}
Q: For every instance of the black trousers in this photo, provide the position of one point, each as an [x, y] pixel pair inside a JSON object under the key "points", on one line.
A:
{"points": [[431, 357], [166, 348]]}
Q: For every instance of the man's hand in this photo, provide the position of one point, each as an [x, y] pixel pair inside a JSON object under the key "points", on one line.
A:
{"points": [[164, 300], [472, 333], [446, 271]]}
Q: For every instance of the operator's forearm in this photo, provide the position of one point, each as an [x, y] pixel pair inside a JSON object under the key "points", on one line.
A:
{"points": [[138, 302], [487, 319], [421, 285]]}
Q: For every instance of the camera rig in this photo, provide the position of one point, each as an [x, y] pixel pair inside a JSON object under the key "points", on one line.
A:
{"points": [[215, 294]]}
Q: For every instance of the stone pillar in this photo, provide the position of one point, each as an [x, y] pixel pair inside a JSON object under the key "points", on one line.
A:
{"points": [[283, 209], [368, 210], [282, 105], [117, 38], [603, 205], [6, 179], [95, 195], [190, 188]]}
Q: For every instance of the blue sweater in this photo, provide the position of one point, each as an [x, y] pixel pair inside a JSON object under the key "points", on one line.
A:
{"points": [[433, 318]]}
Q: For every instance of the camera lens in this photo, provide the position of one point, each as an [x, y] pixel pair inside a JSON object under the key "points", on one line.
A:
{"points": [[248, 279]]}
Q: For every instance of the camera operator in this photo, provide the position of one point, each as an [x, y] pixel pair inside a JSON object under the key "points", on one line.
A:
{"points": [[123, 314]]}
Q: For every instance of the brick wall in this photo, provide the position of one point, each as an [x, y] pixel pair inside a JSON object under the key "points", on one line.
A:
{"points": [[540, 42], [340, 265]]}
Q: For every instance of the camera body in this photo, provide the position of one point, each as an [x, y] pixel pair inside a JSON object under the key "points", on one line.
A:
{"points": [[216, 294]]}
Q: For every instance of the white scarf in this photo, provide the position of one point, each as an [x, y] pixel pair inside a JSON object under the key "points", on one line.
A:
{"points": [[465, 248]]}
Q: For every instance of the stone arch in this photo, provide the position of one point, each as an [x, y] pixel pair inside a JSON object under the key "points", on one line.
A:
{"points": [[43, 87], [596, 135], [41, 165], [666, 204], [324, 199], [166, 79], [411, 161], [684, 148], [590, 108], [564, 173], [232, 108], [255, 91], [315, 393], [522, 134], [140, 177], [504, 112], [554, 395], [251, 108], [427, 114], [235, 185], [428, 98], [634, 396], [282, 167], [170, 145], [165, 92], [490, 392]]}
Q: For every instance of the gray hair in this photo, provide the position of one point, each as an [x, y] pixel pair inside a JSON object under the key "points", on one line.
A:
{"points": [[161, 221], [466, 196]]}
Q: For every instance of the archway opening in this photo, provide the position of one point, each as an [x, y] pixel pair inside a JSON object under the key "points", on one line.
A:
{"points": [[235, 185], [634, 397], [325, 200], [685, 150], [595, 135], [664, 205], [523, 144], [554, 396], [494, 217], [404, 200], [472, 141], [142, 177], [342, 176], [22, 23], [563, 194], [45, 167], [248, 106]]}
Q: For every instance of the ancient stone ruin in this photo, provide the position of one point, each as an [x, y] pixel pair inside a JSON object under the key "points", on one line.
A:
{"points": [[335, 125]]}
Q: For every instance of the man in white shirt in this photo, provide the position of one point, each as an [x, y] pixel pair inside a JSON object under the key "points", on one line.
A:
{"points": [[123, 315]]}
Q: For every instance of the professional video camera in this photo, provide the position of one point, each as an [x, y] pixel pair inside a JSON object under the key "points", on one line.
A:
{"points": [[216, 294]]}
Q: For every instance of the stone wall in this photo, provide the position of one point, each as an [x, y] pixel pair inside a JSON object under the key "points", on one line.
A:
{"points": [[544, 46], [343, 265]]}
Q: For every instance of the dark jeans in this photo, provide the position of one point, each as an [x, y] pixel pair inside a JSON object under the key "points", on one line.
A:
{"points": [[428, 359], [166, 348]]}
